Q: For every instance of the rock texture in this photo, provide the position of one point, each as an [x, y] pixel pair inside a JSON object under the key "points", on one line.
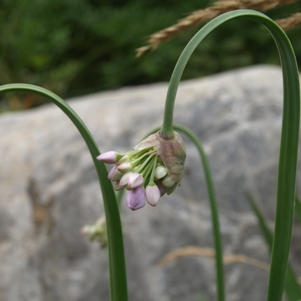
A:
{"points": [[49, 190]]}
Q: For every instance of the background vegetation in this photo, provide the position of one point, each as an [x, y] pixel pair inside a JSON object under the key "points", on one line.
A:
{"points": [[75, 47]]}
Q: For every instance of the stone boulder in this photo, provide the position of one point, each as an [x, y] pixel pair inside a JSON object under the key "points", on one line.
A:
{"points": [[49, 191]]}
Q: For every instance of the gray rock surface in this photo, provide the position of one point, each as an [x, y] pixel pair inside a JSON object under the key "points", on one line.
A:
{"points": [[49, 190]]}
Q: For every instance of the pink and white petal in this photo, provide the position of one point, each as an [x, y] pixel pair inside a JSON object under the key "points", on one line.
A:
{"points": [[108, 157], [152, 195], [135, 180], [136, 198]]}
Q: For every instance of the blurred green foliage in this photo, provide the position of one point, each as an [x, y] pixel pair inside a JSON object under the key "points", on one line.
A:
{"points": [[74, 47]]}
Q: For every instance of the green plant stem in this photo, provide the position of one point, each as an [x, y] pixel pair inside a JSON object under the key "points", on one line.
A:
{"points": [[291, 285], [289, 136], [214, 214], [298, 209], [219, 266], [118, 283]]}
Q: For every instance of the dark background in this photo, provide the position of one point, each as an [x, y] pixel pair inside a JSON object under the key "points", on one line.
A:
{"points": [[76, 47]]}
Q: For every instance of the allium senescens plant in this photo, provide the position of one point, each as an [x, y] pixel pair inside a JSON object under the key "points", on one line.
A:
{"points": [[152, 168], [155, 165]]}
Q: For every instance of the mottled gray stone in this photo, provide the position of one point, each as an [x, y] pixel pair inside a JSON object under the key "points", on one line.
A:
{"points": [[49, 190]]}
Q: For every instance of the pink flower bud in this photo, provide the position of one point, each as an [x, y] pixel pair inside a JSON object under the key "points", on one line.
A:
{"points": [[112, 171], [125, 179], [152, 195], [116, 185], [114, 174], [123, 160], [135, 180], [136, 198], [108, 157], [117, 176], [125, 167]]}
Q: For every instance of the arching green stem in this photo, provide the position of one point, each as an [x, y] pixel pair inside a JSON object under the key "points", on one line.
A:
{"points": [[219, 266], [289, 136], [118, 284]]}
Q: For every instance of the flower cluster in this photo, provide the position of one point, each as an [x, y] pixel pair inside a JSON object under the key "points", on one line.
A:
{"points": [[97, 232], [149, 170]]}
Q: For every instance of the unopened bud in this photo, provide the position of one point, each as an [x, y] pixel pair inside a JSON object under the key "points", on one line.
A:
{"points": [[135, 180], [136, 198], [152, 195], [108, 157], [160, 172], [125, 179], [125, 167], [112, 171], [114, 174]]}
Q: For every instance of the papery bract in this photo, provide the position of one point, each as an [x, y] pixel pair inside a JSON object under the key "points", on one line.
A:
{"points": [[161, 188], [173, 154], [168, 182]]}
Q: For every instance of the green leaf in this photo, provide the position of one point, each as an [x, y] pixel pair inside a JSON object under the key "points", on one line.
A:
{"points": [[287, 168], [298, 209], [118, 283], [291, 285], [219, 264]]}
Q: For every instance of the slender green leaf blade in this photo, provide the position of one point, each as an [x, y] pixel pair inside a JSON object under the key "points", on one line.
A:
{"points": [[298, 209], [118, 283], [291, 285], [219, 265]]}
